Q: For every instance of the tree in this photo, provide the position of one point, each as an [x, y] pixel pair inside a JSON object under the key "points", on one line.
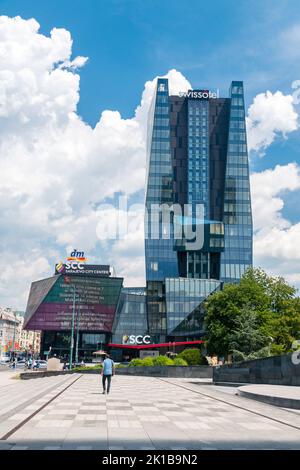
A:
{"points": [[191, 355], [271, 299], [247, 341]]}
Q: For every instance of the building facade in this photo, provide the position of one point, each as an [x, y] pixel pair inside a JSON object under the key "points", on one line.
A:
{"points": [[198, 175], [13, 338], [84, 301], [9, 324], [29, 341], [198, 236]]}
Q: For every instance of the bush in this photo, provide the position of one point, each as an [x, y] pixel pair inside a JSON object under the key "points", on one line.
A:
{"points": [[147, 361], [135, 362], [178, 361], [80, 368], [162, 361], [191, 356]]}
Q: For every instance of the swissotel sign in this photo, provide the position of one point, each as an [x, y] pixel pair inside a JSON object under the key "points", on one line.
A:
{"points": [[199, 94]]}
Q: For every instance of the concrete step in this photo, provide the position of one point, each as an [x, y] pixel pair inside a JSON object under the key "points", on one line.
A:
{"points": [[285, 396], [229, 384]]}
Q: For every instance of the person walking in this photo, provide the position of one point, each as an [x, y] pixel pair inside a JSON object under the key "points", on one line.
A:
{"points": [[108, 370]]}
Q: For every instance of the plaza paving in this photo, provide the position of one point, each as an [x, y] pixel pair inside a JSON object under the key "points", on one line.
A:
{"points": [[139, 413]]}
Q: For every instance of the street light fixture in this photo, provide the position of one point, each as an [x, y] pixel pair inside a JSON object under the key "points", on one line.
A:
{"points": [[72, 329], [14, 336], [77, 334]]}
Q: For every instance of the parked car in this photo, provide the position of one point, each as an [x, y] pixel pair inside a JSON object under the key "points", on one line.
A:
{"points": [[20, 364], [40, 364], [4, 359]]}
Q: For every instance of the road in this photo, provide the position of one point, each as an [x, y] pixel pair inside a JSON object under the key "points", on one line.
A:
{"points": [[70, 412]]}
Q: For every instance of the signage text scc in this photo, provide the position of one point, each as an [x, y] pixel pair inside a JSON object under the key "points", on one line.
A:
{"points": [[139, 339], [74, 265]]}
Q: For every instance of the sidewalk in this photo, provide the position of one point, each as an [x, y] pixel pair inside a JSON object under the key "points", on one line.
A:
{"points": [[284, 396]]}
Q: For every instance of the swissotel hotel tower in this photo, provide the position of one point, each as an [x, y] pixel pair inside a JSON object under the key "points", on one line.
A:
{"points": [[198, 175]]}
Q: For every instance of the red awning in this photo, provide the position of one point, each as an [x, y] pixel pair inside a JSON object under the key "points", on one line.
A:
{"points": [[158, 345]]}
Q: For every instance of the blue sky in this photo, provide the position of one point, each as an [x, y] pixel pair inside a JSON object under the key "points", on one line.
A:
{"points": [[129, 42]]}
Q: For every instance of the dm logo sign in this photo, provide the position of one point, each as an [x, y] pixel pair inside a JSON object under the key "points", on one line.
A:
{"points": [[77, 256]]}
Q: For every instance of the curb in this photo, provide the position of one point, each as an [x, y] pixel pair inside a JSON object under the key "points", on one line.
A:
{"points": [[283, 402]]}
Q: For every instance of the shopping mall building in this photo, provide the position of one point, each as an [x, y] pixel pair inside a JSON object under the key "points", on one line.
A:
{"points": [[197, 163]]}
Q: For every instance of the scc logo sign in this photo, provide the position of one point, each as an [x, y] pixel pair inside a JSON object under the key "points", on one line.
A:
{"points": [[61, 268], [74, 265], [139, 339]]}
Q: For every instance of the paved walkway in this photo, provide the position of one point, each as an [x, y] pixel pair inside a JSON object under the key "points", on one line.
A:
{"points": [[140, 413]]}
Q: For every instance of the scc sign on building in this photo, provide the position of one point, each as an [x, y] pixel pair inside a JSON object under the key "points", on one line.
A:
{"points": [[82, 269], [137, 339]]}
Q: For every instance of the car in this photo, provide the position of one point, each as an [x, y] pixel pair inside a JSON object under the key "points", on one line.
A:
{"points": [[4, 360], [19, 364], [41, 364]]}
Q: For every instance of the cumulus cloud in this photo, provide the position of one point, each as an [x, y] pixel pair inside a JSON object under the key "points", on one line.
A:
{"points": [[269, 115], [276, 239], [55, 168], [268, 188], [57, 171]]}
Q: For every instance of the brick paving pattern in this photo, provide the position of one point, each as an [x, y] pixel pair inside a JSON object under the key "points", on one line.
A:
{"points": [[139, 413]]}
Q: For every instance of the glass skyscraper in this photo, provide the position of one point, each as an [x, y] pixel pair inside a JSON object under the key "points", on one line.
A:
{"points": [[198, 236], [198, 174]]}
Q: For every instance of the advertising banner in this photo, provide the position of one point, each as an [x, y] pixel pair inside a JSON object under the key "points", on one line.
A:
{"points": [[93, 270], [94, 298]]}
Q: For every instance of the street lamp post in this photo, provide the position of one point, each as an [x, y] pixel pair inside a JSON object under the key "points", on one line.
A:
{"points": [[77, 335], [14, 335], [33, 344], [72, 330]]}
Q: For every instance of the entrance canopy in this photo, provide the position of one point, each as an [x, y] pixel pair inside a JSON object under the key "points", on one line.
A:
{"points": [[153, 346]]}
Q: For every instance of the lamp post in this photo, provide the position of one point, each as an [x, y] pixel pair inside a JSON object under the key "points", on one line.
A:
{"points": [[33, 344], [77, 335], [14, 335]]}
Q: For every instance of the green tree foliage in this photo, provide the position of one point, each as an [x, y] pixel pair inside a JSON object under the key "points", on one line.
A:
{"points": [[178, 361], [148, 361], [246, 340], [135, 362], [263, 306], [162, 361], [191, 356]]}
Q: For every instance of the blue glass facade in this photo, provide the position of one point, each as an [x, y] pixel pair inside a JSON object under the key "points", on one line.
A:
{"points": [[184, 299], [197, 155], [131, 316], [237, 256], [161, 259]]}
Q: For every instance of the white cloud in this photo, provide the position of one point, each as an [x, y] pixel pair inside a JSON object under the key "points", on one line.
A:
{"points": [[276, 239], [55, 168], [17, 273], [267, 187], [269, 115]]}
